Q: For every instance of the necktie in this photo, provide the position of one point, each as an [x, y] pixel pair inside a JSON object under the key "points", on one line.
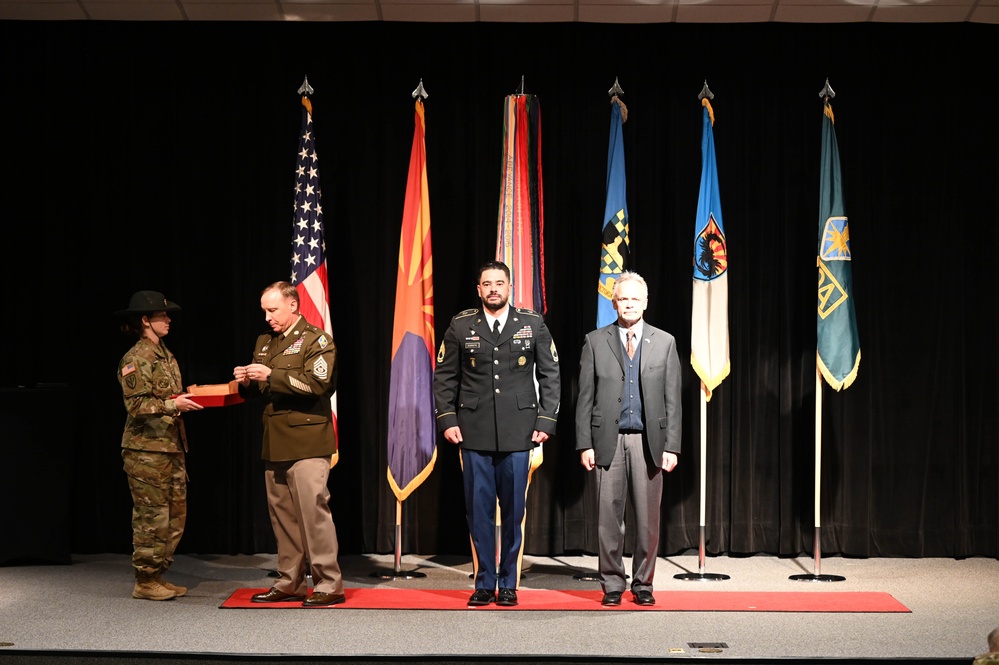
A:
{"points": [[631, 344], [496, 328]]}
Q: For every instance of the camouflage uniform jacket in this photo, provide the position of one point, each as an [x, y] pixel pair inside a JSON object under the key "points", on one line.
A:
{"points": [[298, 418], [150, 379]]}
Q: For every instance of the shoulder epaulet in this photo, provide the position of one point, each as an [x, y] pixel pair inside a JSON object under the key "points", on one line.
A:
{"points": [[522, 310], [467, 312]]}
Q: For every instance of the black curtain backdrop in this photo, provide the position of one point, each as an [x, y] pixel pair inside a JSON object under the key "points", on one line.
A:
{"points": [[160, 156]]}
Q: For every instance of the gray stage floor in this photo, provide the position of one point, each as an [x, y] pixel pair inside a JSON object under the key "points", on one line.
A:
{"points": [[87, 607]]}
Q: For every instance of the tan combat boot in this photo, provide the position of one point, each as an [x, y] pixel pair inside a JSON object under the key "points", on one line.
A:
{"points": [[178, 591], [148, 588]]}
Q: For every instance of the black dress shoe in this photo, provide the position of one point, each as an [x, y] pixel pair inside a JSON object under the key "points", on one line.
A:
{"points": [[272, 595], [643, 597], [611, 598], [481, 597], [320, 599], [507, 597]]}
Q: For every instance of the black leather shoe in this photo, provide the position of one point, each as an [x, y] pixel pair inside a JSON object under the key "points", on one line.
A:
{"points": [[507, 597], [643, 597], [272, 595], [611, 598], [320, 599], [481, 597]]}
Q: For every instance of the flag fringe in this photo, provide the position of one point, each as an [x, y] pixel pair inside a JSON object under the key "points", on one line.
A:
{"points": [[711, 112], [833, 382], [402, 493], [709, 384]]}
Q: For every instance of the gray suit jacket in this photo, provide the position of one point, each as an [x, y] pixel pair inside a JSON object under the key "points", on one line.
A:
{"points": [[601, 382]]}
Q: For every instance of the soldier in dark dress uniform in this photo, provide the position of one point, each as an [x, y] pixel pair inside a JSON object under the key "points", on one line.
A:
{"points": [[487, 401]]}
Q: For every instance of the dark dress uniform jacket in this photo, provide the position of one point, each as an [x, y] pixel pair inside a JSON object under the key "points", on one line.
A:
{"points": [[298, 420], [485, 385], [601, 385]]}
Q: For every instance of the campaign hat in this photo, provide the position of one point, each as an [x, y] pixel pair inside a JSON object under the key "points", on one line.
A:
{"points": [[147, 302]]}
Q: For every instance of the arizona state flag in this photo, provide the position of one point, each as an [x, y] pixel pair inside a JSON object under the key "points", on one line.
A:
{"points": [[709, 311], [614, 254], [838, 348], [412, 433]]}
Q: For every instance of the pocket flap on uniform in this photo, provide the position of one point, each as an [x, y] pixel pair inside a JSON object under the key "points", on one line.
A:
{"points": [[469, 402], [663, 422], [596, 421], [527, 401], [296, 419]]}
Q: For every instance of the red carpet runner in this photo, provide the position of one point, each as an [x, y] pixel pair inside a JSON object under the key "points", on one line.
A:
{"points": [[562, 601]]}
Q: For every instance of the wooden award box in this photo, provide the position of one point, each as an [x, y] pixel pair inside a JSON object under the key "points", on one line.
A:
{"points": [[216, 394]]}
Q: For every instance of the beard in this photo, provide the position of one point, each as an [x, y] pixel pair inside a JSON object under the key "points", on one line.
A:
{"points": [[495, 306]]}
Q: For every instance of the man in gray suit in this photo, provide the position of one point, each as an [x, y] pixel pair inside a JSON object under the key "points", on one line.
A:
{"points": [[628, 429]]}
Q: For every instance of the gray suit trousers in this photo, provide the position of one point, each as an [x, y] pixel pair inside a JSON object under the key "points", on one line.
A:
{"points": [[632, 475]]}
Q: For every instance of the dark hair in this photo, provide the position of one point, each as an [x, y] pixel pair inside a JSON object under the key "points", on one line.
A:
{"points": [[285, 289], [132, 325], [493, 265]]}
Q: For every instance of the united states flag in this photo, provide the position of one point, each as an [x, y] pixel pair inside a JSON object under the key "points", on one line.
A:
{"points": [[308, 247]]}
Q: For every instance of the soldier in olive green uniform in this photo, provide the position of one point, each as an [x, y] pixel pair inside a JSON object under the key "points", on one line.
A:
{"points": [[154, 443], [294, 371]]}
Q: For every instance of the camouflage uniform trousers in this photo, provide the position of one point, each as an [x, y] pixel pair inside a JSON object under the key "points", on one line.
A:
{"points": [[158, 482]]}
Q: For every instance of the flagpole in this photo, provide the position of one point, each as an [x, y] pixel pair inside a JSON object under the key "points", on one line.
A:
{"points": [[614, 255], [700, 575], [397, 572], [705, 95], [816, 576], [825, 95], [419, 94]]}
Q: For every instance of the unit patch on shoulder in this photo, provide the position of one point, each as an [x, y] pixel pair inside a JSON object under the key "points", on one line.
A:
{"points": [[554, 352], [322, 342]]}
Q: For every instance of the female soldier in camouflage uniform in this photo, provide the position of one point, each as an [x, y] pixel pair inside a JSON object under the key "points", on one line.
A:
{"points": [[154, 443]]}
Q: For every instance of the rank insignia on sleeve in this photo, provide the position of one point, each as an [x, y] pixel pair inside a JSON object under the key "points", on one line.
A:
{"points": [[554, 352], [301, 385], [322, 342], [128, 369], [440, 354], [321, 368]]}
